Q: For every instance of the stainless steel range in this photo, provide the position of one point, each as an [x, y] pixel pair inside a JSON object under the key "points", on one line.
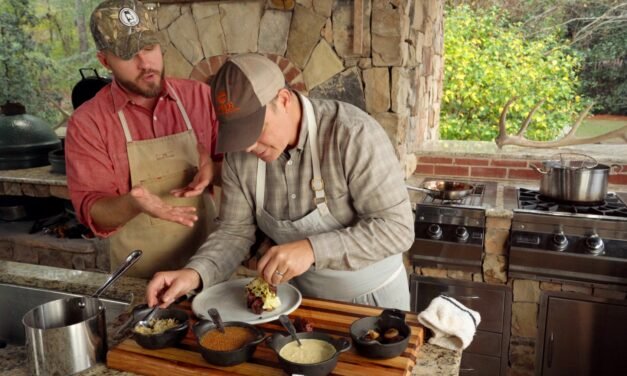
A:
{"points": [[451, 233], [565, 242]]}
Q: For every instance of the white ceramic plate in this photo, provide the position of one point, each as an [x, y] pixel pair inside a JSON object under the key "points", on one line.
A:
{"points": [[229, 298]]}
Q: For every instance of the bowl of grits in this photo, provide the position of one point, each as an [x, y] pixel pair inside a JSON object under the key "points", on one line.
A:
{"points": [[316, 356]]}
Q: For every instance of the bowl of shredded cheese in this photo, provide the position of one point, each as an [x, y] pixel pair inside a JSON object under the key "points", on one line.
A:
{"points": [[166, 328]]}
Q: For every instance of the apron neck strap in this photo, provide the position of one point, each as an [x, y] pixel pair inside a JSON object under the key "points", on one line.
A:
{"points": [[127, 133], [317, 184]]}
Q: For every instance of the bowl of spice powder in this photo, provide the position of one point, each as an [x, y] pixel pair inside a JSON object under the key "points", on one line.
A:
{"points": [[236, 345]]}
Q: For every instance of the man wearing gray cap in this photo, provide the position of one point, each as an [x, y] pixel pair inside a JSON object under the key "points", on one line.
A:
{"points": [[319, 177], [138, 159]]}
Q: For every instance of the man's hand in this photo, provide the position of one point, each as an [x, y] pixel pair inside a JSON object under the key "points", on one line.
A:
{"points": [[154, 206], [286, 261], [204, 176], [165, 287]]}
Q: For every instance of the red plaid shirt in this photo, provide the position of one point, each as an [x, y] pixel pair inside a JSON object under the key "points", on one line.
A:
{"points": [[95, 146]]}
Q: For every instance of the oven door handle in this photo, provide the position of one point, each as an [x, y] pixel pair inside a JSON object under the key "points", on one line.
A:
{"points": [[469, 297]]}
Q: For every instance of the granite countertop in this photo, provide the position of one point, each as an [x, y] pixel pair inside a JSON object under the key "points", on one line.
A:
{"points": [[35, 175], [431, 360]]}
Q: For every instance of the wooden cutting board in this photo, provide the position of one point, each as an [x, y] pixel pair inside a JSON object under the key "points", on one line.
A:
{"points": [[327, 316]]}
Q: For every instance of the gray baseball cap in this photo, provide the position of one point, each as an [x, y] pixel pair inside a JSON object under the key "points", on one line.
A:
{"points": [[240, 91], [123, 27]]}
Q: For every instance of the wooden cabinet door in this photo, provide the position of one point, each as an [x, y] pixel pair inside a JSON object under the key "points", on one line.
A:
{"points": [[583, 337]]}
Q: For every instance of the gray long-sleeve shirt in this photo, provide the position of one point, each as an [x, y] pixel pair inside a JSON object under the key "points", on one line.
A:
{"points": [[363, 184]]}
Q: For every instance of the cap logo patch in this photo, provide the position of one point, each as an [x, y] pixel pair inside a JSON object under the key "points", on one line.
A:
{"points": [[128, 17], [225, 106]]}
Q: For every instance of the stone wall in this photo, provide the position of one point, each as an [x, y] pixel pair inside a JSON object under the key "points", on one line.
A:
{"points": [[394, 71]]}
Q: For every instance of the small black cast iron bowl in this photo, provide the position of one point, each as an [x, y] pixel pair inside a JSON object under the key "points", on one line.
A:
{"points": [[388, 319], [168, 338], [227, 358], [277, 341]]}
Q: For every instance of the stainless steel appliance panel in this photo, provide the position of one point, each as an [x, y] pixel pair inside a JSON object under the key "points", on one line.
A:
{"points": [[581, 335]]}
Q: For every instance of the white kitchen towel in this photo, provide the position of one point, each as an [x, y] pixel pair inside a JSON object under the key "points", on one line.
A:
{"points": [[452, 323]]}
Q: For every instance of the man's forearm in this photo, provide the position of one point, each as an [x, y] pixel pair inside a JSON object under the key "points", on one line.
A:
{"points": [[110, 213]]}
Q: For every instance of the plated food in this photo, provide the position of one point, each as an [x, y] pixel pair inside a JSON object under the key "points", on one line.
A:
{"points": [[261, 296], [231, 298]]}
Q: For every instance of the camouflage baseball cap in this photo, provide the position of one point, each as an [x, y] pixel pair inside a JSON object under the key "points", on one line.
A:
{"points": [[122, 27]]}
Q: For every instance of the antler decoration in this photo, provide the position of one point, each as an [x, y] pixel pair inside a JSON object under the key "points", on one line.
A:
{"points": [[569, 139]]}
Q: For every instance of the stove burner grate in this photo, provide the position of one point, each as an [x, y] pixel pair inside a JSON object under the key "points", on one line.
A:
{"points": [[533, 200]]}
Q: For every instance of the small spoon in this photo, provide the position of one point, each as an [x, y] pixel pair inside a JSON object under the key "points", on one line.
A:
{"points": [[217, 320], [287, 324], [145, 322]]}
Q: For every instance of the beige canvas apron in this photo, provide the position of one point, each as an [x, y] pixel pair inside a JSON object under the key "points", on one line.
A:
{"points": [[383, 283], [160, 165]]}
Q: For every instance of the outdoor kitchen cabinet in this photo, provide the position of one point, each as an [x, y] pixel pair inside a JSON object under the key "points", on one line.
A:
{"points": [[487, 354], [581, 335]]}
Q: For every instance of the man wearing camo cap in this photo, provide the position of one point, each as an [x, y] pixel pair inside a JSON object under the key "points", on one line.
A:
{"points": [[138, 160]]}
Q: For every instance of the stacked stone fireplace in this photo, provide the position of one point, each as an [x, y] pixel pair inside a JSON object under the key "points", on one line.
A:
{"points": [[382, 56]]}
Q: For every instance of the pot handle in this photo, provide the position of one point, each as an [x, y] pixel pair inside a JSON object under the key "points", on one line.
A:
{"points": [[130, 260], [538, 169], [424, 190], [342, 344], [615, 169]]}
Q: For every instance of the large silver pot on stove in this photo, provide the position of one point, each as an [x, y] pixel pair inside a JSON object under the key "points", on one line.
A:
{"points": [[575, 178]]}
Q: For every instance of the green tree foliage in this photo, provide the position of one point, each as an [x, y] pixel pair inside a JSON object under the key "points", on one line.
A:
{"points": [[604, 77], [24, 65], [488, 61], [600, 33], [43, 43]]}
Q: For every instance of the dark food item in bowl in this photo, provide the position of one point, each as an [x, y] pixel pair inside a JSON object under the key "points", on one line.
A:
{"points": [[391, 335], [277, 342], [233, 338], [156, 339], [227, 358], [383, 336]]}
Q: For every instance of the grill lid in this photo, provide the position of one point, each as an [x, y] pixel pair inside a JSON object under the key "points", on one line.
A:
{"points": [[25, 140]]}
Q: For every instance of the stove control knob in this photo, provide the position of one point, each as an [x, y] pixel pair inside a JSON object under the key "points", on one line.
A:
{"points": [[594, 244], [461, 233], [560, 242], [434, 231]]}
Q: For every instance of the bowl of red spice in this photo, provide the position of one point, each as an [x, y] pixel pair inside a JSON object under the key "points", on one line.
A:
{"points": [[236, 345]]}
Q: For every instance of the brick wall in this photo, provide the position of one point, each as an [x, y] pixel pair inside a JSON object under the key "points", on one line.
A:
{"points": [[491, 168]]}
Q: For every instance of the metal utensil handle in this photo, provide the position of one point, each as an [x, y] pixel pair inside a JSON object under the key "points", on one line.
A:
{"points": [[592, 163], [217, 320], [418, 189], [130, 260], [287, 324]]}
